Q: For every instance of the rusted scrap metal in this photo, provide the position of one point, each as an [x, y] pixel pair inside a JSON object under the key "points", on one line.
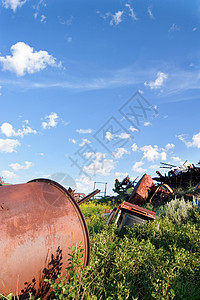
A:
{"points": [[79, 196], [130, 214], [161, 194], [39, 221], [142, 190], [181, 176], [89, 196]]}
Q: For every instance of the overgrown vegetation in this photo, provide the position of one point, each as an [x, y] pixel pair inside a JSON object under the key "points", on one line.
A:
{"points": [[159, 260]]}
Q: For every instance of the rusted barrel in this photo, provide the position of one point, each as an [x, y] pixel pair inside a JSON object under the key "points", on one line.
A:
{"points": [[39, 221]]}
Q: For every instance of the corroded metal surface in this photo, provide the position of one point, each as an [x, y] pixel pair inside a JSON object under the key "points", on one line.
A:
{"points": [[89, 196], [142, 190], [39, 220]]}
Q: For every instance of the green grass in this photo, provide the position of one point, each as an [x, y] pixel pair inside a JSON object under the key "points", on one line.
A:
{"points": [[155, 260]]}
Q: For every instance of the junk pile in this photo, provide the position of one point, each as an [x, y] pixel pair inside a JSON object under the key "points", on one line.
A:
{"points": [[145, 191], [182, 176]]}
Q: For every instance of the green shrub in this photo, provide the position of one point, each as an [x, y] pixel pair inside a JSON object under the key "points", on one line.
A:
{"points": [[177, 210]]}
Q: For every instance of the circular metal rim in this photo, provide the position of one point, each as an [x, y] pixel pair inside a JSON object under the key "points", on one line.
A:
{"points": [[77, 208]]}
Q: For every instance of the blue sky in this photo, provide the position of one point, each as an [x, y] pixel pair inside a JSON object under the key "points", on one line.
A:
{"points": [[73, 74]]}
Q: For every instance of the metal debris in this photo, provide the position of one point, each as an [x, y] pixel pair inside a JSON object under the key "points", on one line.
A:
{"points": [[39, 221], [130, 214]]}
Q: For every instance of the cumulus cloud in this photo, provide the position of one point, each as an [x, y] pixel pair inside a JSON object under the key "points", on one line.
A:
{"points": [[169, 146], [123, 135], [152, 153], [25, 60], [13, 4], [159, 82], [8, 130], [43, 19], [51, 121], [133, 129], [99, 165], [147, 124], [84, 131], [176, 158], [17, 166], [119, 153], [8, 145], [137, 167], [125, 174], [134, 147], [154, 167], [194, 143], [8, 174], [84, 184], [116, 18], [84, 142]]}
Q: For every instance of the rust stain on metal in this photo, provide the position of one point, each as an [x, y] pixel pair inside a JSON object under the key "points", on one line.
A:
{"points": [[142, 190], [39, 220], [89, 196]]}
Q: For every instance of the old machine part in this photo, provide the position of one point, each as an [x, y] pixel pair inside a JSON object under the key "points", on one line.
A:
{"points": [[130, 214], [142, 190], [39, 222]]}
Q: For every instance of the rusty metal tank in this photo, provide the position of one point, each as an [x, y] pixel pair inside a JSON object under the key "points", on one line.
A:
{"points": [[39, 221]]}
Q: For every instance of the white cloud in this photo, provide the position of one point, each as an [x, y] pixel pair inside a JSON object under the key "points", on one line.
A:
{"points": [[25, 60], [119, 153], [8, 174], [137, 167], [109, 136], [83, 131], [194, 143], [194, 29], [159, 82], [125, 174], [152, 153], [141, 92], [69, 39], [8, 130], [116, 18], [149, 10], [131, 12], [174, 27], [84, 142], [13, 4], [35, 15], [134, 147], [99, 165], [147, 124], [133, 129], [0, 90], [72, 141], [84, 184], [169, 146], [43, 19], [154, 167], [8, 145], [123, 135], [51, 121], [17, 166], [176, 158]]}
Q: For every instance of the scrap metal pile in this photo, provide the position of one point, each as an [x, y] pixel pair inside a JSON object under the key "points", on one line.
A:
{"points": [[145, 191]]}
